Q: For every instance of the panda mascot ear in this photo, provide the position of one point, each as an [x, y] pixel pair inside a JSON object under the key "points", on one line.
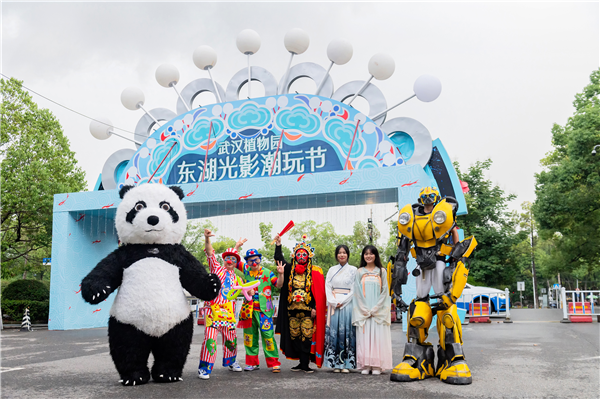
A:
{"points": [[177, 191], [124, 190]]}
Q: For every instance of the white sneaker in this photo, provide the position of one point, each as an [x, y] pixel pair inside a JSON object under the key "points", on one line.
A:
{"points": [[376, 371], [203, 374], [345, 371], [366, 371], [235, 367], [337, 370]]}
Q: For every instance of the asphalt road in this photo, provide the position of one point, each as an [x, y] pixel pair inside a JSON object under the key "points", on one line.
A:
{"points": [[534, 357]]}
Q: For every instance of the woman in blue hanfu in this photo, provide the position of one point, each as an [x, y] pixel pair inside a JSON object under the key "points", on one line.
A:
{"points": [[340, 338]]}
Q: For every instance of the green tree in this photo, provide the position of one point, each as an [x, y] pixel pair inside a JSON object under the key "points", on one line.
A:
{"points": [[567, 205], [268, 249], [193, 240], [494, 227], [36, 164], [360, 238]]}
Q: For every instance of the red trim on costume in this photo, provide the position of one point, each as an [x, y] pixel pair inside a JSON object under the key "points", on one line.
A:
{"points": [[252, 360], [272, 361], [318, 291]]}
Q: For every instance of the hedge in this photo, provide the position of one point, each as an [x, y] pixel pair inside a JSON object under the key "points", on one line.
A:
{"points": [[33, 290], [38, 310]]}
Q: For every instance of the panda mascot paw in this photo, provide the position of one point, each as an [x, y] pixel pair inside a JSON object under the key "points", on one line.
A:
{"points": [[150, 313]]}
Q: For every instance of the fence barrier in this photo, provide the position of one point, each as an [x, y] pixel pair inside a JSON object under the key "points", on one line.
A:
{"points": [[579, 306], [498, 305]]}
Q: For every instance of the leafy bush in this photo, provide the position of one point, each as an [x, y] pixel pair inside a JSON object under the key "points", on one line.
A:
{"points": [[3, 285], [38, 310], [32, 290]]}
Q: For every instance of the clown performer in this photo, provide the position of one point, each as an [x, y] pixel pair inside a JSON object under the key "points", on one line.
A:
{"points": [[430, 226], [302, 306], [221, 314], [257, 315]]}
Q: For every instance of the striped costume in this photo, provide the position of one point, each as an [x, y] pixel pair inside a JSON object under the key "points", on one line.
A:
{"points": [[219, 318]]}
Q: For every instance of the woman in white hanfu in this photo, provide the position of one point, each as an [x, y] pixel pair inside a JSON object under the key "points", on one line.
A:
{"points": [[371, 314], [340, 338]]}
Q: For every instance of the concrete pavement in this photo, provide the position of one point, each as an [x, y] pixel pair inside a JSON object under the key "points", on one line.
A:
{"points": [[534, 357]]}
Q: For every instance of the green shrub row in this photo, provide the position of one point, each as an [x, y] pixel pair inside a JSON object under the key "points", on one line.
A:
{"points": [[38, 310]]}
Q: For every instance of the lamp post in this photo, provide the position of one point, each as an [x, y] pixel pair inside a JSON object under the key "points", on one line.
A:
{"points": [[339, 52], [102, 128], [427, 88], [248, 42], [594, 150], [381, 67], [205, 58], [167, 75], [296, 41]]}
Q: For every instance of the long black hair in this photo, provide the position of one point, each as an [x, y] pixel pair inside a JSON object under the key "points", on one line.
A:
{"points": [[345, 248], [375, 252]]}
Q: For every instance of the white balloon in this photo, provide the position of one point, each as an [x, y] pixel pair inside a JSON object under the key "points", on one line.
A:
{"points": [[381, 66], [360, 117], [296, 41], [144, 152], [216, 111], [248, 41], [227, 108], [167, 74], [188, 119], [339, 51], [151, 143], [369, 128], [389, 159], [132, 97], [205, 57], [271, 102], [427, 88], [282, 101], [314, 102], [178, 125], [101, 128], [326, 106]]}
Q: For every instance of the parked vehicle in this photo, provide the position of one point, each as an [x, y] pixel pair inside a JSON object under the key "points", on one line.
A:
{"points": [[474, 294]]}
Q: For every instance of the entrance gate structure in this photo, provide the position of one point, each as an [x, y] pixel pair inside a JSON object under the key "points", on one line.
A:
{"points": [[279, 152]]}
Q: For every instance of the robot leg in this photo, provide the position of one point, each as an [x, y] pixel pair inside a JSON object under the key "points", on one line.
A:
{"points": [[452, 367], [418, 358]]}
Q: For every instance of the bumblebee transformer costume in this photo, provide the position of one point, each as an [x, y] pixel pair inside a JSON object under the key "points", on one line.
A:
{"points": [[430, 233]]}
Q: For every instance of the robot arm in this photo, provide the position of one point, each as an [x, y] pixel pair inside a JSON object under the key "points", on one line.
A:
{"points": [[400, 272], [455, 276]]}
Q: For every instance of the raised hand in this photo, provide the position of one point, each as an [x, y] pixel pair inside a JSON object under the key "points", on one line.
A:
{"points": [[277, 240], [240, 242], [208, 233], [280, 267]]}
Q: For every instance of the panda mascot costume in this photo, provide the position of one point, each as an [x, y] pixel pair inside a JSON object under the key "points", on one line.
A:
{"points": [[150, 312]]}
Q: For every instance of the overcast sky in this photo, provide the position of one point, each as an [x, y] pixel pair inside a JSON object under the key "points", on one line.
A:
{"points": [[509, 70]]}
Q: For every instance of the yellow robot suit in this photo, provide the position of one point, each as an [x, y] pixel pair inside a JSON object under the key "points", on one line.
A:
{"points": [[429, 225]]}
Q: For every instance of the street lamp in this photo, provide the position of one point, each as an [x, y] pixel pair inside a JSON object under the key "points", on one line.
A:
{"points": [[594, 150]]}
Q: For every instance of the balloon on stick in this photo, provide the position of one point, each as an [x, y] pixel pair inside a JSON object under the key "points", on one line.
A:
{"points": [[287, 228]]}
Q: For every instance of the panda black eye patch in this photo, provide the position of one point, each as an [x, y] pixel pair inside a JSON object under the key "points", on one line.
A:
{"points": [[131, 214], [164, 205]]}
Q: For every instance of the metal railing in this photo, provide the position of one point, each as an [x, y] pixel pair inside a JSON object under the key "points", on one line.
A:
{"points": [[584, 303], [499, 304]]}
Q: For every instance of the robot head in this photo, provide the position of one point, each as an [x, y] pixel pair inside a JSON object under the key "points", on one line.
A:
{"points": [[429, 195]]}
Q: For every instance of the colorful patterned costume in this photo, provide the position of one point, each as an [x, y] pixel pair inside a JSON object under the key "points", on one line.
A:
{"points": [[303, 290], [257, 315], [220, 318]]}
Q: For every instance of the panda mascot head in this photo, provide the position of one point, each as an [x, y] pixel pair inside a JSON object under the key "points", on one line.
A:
{"points": [[151, 214]]}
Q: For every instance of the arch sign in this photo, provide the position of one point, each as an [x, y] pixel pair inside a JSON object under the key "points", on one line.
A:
{"points": [[279, 152], [282, 135]]}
